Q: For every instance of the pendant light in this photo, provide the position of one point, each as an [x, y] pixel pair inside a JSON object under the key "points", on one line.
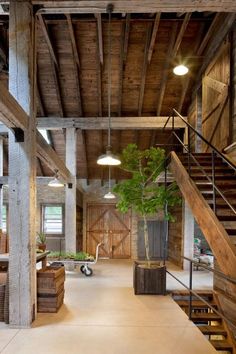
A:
{"points": [[109, 158], [109, 195], [55, 182]]}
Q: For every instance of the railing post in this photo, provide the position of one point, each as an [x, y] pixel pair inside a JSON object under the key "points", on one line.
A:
{"points": [[189, 152], [190, 288], [213, 180]]}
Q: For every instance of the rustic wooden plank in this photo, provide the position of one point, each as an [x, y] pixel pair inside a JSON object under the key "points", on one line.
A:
{"points": [[153, 37], [22, 169], [212, 229], [47, 38], [70, 198], [144, 71], [98, 123], [136, 6]]}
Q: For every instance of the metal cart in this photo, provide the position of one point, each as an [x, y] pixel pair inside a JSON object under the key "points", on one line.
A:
{"points": [[85, 269]]}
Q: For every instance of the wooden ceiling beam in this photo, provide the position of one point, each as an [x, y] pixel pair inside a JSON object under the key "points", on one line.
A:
{"points": [[135, 6], [47, 38], [72, 38], [126, 37], [208, 35], [101, 123], [13, 116], [100, 40], [144, 70], [153, 37], [40, 166], [181, 34], [57, 88]]}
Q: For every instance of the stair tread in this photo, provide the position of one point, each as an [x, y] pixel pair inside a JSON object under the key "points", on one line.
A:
{"points": [[186, 292], [213, 330], [208, 316], [221, 345], [195, 303]]}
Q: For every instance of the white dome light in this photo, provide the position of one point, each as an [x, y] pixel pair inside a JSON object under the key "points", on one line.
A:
{"points": [[55, 183], [108, 159], [180, 70], [109, 195]]}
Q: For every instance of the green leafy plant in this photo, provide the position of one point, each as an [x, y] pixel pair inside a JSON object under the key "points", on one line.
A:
{"points": [[41, 238], [79, 256], [141, 192]]}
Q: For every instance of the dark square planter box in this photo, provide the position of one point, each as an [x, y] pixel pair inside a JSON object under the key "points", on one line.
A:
{"points": [[150, 281]]}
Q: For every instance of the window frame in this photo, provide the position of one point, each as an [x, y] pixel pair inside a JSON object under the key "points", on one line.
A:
{"points": [[42, 208]]}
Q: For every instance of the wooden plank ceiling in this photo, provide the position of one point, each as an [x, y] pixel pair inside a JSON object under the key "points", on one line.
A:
{"points": [[72, 73]]}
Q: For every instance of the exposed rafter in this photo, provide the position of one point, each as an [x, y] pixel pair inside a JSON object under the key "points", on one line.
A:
{"points": [[126, 37], [100, 40], [153, 37], [73, 41], [144, 71], [208, 35], [181, 34], [47, 38]]}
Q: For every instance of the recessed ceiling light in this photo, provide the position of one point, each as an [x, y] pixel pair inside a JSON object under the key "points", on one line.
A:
{"points": [[180, 70]]}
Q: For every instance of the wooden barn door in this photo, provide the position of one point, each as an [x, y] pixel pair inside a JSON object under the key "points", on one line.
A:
{"points": [[105, 224]]}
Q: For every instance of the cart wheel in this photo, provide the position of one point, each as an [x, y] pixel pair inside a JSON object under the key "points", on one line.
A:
{"points": [[82, 268], [88, 272]]}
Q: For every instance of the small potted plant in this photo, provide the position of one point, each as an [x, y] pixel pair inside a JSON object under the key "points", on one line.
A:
{"points": [[41, 241], [146, 197]]}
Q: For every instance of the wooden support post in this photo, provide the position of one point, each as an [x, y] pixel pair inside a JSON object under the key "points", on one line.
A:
{"points": [[70, 207], [22, 169]]}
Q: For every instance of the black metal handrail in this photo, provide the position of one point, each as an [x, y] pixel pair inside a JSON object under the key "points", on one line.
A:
{"points": [[214, 152], [192, 292], [203, 139]]}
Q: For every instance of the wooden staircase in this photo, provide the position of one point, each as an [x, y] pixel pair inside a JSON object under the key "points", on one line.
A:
{"points": [[209, 323], [225, 180]]}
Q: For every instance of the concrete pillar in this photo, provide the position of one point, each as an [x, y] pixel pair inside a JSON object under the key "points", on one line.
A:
{"points": [[22, 169], [188, 228], [70, 207]]}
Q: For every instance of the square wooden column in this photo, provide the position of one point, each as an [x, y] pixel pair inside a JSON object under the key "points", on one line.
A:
{"points": [[70, 207], [22, 169]]}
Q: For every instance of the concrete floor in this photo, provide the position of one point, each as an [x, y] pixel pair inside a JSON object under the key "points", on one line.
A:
{"points": [[102, 315]]}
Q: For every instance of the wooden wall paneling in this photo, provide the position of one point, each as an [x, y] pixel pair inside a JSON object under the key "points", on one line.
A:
{"points": [[215, 103]]}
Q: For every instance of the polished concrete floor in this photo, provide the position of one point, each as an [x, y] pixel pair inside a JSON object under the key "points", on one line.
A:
{"points": [[102, 315]]}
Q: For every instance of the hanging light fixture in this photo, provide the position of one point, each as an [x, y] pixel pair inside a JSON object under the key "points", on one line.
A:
{"points": [[55, 182], [109, 158], [109, 195], [180, 70]]}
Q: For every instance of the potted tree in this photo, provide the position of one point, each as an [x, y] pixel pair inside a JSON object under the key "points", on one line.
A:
{"points": [[41, 241], [146, 197]]}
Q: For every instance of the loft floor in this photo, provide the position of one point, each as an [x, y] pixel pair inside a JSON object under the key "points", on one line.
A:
{"points": [[102, 315]]}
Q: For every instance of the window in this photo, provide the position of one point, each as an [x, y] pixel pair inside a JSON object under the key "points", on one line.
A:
{"points": [[52, 219], [4, 218]]}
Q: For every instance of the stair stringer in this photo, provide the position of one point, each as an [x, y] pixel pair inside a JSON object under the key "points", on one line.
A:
{"points": [[214, 232]]}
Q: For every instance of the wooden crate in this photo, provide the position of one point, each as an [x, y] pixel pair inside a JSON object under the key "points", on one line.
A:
{"points": [[50, 303], [50, 279]]}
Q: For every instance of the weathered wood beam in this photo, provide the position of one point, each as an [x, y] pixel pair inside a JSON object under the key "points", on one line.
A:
{"points": [[144, 71], [209, 34], [153, 37], [126, 37], [47, 38], [121, 69], [99, 83], [135, 6], [58, 89], [98, 123], [181, 34], [76, 63], [46, 153], [211, 227], [40, 166], [39, 99], [100, 40], [72, 38]]}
